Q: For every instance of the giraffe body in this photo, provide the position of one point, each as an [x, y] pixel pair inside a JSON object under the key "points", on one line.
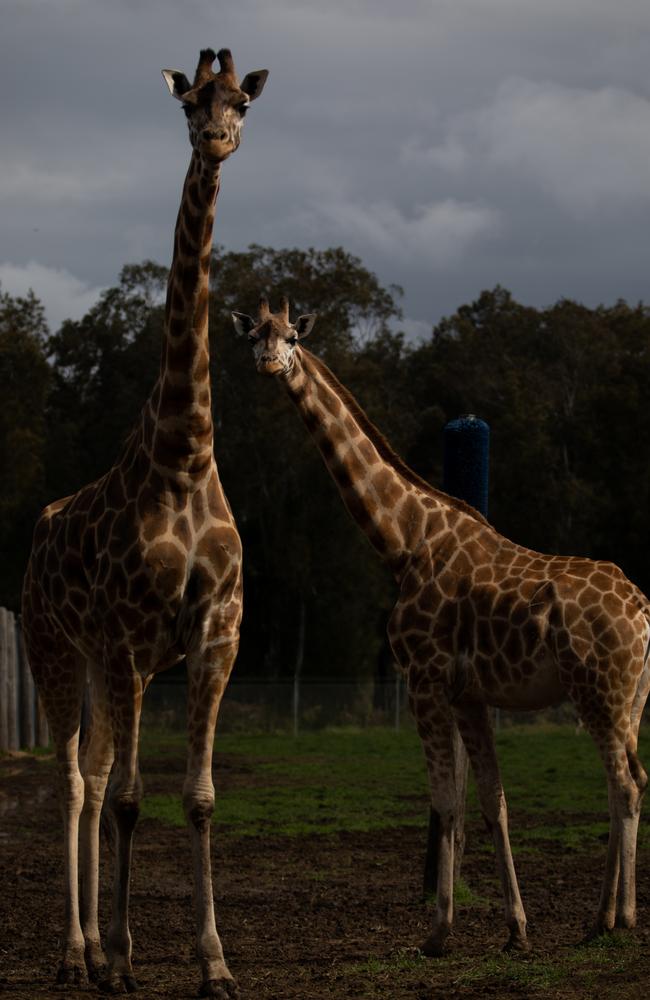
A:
{"points": [[480, 622], [142, 568]]}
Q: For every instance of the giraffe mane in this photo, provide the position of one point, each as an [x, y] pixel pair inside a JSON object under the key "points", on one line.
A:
{"points": [[381, 444]]}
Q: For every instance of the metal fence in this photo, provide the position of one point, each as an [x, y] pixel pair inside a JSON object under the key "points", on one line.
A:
{"points": [[22, 720], [283, 706], [276, 706], [249, 706]]}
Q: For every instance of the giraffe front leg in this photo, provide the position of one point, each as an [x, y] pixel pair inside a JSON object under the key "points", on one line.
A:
{"points": [[436, 730], [208, 674], [125, 690], [72, 969]]}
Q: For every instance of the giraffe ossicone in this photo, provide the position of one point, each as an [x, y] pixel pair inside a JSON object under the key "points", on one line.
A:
{"points": [[479, 622], [136, 571]]}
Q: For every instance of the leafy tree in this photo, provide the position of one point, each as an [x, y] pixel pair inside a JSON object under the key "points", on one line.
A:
{"points": [[25, 379], [105, 366], [561, 389]]}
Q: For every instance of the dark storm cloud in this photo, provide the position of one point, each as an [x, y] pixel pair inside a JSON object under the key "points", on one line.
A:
{"points": [[451, 145]]}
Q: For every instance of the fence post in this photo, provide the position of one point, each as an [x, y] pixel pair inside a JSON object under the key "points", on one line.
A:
{"points": [[27, 692], [9, 720], [398, 706], [4, 700], [297, 669], [12, 678], [465, 476]]}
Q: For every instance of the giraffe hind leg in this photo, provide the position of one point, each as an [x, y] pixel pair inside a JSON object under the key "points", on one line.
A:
{"points": [[60, 680], [626, 780], [96, 758], [631, 810], [125, 689], [475, 726]]}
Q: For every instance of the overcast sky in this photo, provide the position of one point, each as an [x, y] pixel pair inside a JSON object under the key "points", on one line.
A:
{"points": [[451, 144]]}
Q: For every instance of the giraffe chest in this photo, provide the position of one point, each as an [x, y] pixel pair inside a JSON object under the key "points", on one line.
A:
{"points": [[151, 580]]}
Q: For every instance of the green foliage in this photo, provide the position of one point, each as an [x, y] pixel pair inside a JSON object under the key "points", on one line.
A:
{"points": [[105, 365], [25, 379], [562, 390]]}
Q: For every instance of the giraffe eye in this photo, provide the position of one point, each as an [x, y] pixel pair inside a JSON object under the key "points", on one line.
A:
{"points": [[242, 108], [188, 109], [292, 340], [252, 338]]}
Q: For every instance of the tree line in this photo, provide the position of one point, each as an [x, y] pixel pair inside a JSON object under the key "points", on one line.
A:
{"points": [[563, 389]]}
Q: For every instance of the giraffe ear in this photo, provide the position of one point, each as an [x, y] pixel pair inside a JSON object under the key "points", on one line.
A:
{"points": [[243, 323], [303, 325], [177, 82], [253, 83]]}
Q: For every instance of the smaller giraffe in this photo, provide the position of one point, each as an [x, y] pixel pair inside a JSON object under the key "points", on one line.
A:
{"points": [[480, 622]]}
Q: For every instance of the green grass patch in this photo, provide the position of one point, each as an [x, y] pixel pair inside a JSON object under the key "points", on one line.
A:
{"points": [[522, 975], [583, 965], [407, 961], [576, 836], [536, 974], [374, 779], [463, 896]]}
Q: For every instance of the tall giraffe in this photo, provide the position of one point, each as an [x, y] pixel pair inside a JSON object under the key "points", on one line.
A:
{"points": [[480, 622], [140, 569]]}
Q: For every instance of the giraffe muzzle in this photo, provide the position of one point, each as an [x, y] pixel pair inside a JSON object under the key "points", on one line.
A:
{"points": [[216, 145], [270, 366]]}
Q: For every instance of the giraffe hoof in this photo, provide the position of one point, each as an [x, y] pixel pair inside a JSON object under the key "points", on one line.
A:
{"points": [[96, 966], [96, 973], [599, 930], [516, 942], [220, 989], [433, 947], [70, 975]]}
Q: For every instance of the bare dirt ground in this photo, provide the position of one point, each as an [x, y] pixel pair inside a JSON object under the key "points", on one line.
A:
{"points": [[305, 918]]}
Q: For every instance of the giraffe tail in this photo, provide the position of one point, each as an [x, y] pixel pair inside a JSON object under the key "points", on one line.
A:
{"points": [[106, 829], [642, 690]]}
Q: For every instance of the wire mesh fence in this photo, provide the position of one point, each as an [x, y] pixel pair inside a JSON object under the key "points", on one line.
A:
{"points": [[256, 705], [262, 706]]}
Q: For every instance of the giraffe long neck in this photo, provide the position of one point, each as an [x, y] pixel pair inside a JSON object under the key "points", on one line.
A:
{"points": [[389, 502], [181, 403]]}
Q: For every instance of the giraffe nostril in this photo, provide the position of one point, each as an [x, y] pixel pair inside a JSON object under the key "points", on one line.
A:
{"points": [[210, 136]]}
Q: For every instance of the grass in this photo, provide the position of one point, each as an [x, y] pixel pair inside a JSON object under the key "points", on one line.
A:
{"points": [[612, 959], [582, 965], [374, 779], [317, 783]]}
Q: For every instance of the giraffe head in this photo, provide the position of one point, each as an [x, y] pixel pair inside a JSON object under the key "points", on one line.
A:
{"points": [[215, 104], [273, 337]]}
